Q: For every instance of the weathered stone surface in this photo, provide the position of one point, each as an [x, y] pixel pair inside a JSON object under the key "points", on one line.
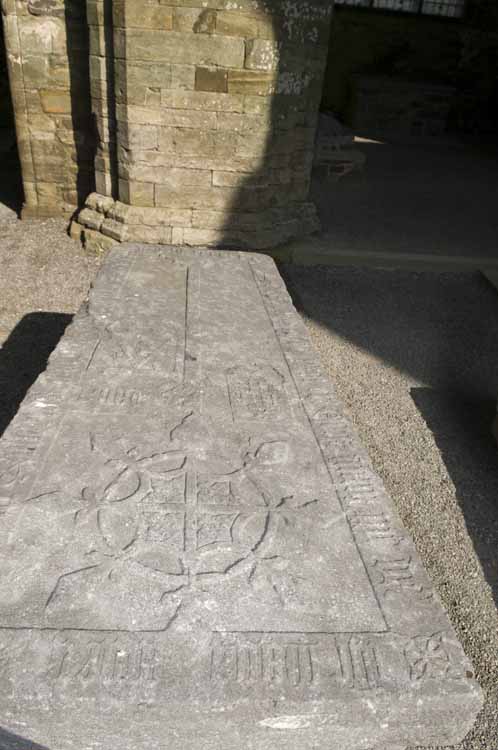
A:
{"points": [[195, 550], [236, 24], [211, 79], [143, 16], [180, 47]]}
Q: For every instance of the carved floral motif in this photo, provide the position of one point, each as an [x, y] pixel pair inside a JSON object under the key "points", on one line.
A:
{"points": [[151, 521]]}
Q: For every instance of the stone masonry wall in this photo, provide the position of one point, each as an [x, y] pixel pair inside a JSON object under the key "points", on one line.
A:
{"points": [[207, 115], [177, 121], [47, 50]]}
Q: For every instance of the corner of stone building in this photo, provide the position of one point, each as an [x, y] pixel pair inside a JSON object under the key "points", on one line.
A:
{"points": [[204, 119]]}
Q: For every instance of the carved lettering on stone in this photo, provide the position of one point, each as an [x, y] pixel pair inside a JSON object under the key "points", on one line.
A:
{"points": [[397, 578], [376, 526], [429, 657], [113, 397], [289, 663], [256, 393]]}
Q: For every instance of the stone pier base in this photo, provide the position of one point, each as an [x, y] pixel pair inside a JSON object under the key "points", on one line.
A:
{"points": [[105, 221]]}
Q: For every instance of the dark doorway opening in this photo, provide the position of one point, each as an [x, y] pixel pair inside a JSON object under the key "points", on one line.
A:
{"points": [[11, 191]]}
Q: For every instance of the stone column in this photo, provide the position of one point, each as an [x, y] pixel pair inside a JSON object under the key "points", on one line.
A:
{"points": [[47, 51], [207, 114]]}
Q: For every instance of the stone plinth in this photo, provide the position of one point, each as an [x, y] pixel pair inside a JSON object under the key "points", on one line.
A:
{"points": [[195, 551]]}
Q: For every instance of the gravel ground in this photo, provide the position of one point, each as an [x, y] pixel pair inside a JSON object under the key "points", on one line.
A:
{"points": [[414, 357]]}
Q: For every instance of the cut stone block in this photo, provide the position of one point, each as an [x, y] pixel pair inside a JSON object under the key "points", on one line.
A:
{"points": [[195, 550]]}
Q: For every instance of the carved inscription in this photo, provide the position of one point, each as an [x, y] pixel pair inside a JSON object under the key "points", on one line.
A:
{"points": [[107, 660], [359, 667], [346, 662], [396, 577], [289, 663], [341, 661], [256, 392], [357, 484], [106, 396], [376, 526], [429, 657]]}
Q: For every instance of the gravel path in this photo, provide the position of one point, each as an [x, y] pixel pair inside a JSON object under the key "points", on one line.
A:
{"points": [[414, 357]]}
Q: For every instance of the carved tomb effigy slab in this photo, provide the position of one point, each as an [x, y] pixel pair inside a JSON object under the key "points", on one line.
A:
{"points": [[194, 547]]}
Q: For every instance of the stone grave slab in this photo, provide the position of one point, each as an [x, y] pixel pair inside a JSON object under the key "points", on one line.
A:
{"points": [[195, 550]]}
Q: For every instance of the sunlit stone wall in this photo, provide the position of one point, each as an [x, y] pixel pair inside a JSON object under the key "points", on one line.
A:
{"points": [[203, 113]]}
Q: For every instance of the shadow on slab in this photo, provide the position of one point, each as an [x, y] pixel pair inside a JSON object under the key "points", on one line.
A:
{"points": [[23, 357], [10, 741]]}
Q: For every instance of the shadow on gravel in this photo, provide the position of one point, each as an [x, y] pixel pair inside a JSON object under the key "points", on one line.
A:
{"points": [[10, 741], [461, 430], [23, 357], [440, 330]]}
